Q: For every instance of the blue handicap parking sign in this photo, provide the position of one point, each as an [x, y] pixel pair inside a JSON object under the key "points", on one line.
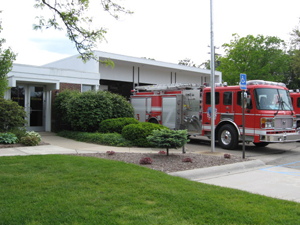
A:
{"points": [[243, 81]]}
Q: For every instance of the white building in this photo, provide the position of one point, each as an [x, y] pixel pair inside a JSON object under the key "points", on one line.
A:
{"points": [[35, 87]]}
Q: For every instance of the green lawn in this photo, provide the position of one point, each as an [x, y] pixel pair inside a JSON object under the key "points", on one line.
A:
{"points": [[62, 189]]}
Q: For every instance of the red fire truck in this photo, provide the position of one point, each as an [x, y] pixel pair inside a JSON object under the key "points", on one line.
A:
{"points": [[295, 96], [269, 114]]}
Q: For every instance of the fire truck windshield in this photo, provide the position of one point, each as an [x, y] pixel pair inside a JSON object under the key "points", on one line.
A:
{"points": [[272, 99]]}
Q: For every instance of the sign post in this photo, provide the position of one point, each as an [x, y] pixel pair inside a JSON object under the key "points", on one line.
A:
{"points": [[243, 85]]}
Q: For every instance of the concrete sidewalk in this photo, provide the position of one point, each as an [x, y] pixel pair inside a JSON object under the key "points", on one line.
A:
{"points": [[251, 176]]}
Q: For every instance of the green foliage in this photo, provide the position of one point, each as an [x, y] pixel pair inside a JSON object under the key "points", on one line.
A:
{"points": [[110, 139], [167, 138], [60, 107], [120, 106], [293, 80], [11, 115], [6, 60], [33, 133], [30, 140], [85, 111], [18, 131], [8, 138], [138, 133], [78, 24], [116, 124], [260, 57]]}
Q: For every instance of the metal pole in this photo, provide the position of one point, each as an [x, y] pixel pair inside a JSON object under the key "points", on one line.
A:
{"points": [[243, 101], [212, 79]]}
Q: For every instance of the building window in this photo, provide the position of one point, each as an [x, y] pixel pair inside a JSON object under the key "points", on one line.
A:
{"points": [[86, 88]]}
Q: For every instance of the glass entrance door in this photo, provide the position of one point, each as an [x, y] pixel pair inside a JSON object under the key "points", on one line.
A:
{"points": [[32, 99]]}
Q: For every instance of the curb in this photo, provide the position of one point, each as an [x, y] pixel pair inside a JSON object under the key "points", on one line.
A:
{"points": [[215, 171]]}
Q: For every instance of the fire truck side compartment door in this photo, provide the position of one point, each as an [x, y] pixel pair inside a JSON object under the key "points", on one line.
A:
{"points": [[169, 112], [139, 105]]}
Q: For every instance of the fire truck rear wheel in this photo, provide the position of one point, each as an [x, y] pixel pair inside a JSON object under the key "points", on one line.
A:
{"points": [[228, 137]]}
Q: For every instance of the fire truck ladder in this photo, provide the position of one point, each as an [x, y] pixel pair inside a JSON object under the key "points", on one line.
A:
{"points": [[163, 87]]}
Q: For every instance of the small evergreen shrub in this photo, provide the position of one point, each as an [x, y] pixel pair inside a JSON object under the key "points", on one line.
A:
{"points": [[31, 140], [116, 124], [167, 138], [138, 133], [8, 138]]}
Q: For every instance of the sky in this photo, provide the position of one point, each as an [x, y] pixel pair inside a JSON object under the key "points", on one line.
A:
{"points": [[164, 30]]}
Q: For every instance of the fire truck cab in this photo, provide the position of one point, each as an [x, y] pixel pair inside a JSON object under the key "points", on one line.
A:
{"points": [[269, 113], [295, 97]]}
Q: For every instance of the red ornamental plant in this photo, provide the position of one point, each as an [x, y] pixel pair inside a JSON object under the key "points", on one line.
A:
{"points": [[227, 156], [161, 152], [146, 160], [187, 160], [110, 153]]}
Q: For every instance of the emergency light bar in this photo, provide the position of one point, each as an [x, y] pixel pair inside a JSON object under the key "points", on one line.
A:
{"points": [[263, 82]]}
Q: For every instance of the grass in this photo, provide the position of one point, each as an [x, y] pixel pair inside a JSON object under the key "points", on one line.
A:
{"points": [[63, 189]]}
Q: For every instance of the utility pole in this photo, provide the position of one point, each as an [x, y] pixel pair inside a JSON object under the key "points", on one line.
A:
{"points": [[212, 79]]}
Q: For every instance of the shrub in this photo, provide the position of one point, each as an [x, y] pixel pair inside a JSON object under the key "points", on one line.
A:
{"points": [[146, 160], [110, 153], [60, 107], [120, 106], [162, 153], [31, 140], [137, 133], [111, 139], [8, 138], [33, 133], [11, 115], [187, 160], [167, 138], [18, 131], [116, 124]]}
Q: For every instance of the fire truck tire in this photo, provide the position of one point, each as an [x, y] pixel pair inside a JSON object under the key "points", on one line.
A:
{"points": [[261, 144], [153, 121], [228, 137]]}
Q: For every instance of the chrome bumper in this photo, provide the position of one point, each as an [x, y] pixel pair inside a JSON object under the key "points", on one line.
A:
{"points": [[280, 138]]}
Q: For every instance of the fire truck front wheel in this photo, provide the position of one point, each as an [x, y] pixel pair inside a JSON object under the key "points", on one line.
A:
{"points": [[228, 137]]}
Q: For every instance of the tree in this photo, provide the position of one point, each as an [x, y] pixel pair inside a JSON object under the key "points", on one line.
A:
{"points": [[187, 62], [71, 15], [294, 78], [259, 57], [6, 60]]}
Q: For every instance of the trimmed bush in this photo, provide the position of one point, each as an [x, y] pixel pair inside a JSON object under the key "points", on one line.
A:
{"points": [[60, 107], [85, 111], [138, 133], [11, 115], [111, 139], [116, 125]]}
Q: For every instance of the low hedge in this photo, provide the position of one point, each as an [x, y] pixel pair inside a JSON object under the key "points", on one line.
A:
{"points": [[138, 133], [116, 124], [110, 139]]}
